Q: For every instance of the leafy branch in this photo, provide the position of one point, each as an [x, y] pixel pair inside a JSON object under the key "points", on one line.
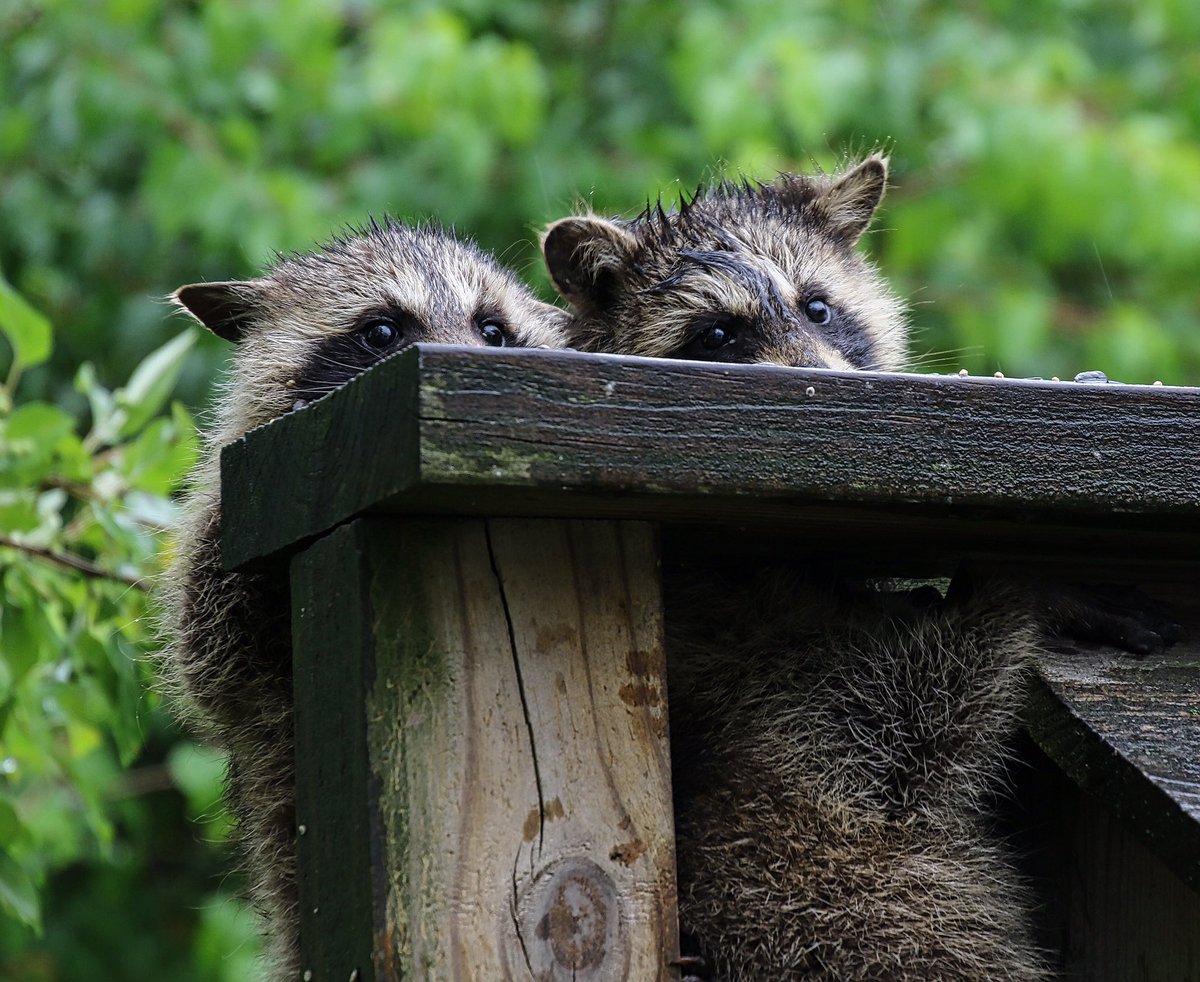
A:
{"points": [[76, 563]]}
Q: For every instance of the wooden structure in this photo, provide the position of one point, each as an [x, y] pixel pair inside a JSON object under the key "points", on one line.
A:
{"points": [[474, 539]]}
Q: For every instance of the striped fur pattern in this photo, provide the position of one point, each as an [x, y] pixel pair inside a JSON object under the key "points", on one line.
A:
{"points": [[832, 746], [771, 266], [310, 324]]}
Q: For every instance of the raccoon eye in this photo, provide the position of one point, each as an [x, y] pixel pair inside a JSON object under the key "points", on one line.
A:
{"points": [[493, 334], [817, 311], [379, 333], [717, 336]]}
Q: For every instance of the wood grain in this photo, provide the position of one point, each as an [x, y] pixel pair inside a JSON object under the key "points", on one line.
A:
{"points": [[1112, 910], [516, 799], [1128, 916], [1127, 731], [474, 431]]}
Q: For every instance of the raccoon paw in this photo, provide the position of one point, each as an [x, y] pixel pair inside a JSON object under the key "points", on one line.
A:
{"points": [[691, 964], [1113, 614], [1117, 615]]}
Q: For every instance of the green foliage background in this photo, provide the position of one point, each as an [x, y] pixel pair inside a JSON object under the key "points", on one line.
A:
{"points": [[1045, 219]]}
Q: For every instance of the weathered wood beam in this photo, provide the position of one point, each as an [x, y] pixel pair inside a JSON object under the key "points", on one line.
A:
{"points": [[441, 429], [483, 778], [1127, 731]]}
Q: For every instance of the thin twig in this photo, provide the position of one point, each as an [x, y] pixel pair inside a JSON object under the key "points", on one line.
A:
{"points": [[71, 487], [142, 781], [77, 563]]}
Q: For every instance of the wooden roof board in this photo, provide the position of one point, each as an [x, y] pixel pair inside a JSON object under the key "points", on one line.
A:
{"points": [[468, 430], [1127, 730]]}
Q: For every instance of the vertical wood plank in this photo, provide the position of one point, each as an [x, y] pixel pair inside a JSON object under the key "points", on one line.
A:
{"points": [[332, 650], [586, 630], [1128, 915], [516, 802], [1110, 909]]}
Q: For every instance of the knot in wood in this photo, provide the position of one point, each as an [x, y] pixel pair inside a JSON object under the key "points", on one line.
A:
{"points": [[570, 918]]}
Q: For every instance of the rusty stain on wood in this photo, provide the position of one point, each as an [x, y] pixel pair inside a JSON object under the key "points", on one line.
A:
{"points": [[552, 636], [640, 694], [627, 852], [639, 663], [533, 824]]}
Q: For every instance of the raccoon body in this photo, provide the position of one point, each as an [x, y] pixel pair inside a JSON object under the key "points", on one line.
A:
{"points": [[831, 747], [834, 749], [309, 325]]}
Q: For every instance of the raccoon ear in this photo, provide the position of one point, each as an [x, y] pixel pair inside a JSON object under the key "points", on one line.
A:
{"points": [[227, 309], [585, 256], [847, 205]]}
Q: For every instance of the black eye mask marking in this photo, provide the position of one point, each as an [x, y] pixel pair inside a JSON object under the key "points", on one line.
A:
{"points": [[845, 333], [721, 337], [341, 357]]}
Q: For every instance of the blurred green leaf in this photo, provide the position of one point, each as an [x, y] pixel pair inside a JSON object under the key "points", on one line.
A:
{"points": [[38, 422], [200, 773], [21, 638], [152, 382], [10, 825], [18, 892], [105, 422], [26, 329]]}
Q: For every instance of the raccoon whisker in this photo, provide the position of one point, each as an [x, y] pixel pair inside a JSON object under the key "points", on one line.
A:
{"points": [[941, 358]]}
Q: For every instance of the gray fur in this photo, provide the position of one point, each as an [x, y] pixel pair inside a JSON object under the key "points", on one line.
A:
{"points": [[831, 750], [228, 656], [754, 254]]}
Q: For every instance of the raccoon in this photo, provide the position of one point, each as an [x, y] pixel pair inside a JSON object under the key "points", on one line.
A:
{"points": [[740, 273], [310, 324], [832, 746]]}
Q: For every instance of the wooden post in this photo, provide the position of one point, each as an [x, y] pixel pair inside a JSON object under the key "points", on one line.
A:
{"points": [[481, 729]]}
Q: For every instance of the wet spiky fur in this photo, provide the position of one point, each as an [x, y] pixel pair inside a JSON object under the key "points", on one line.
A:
{"points": [[751, 255], [832, 752], [832, 747], [298, 336]]}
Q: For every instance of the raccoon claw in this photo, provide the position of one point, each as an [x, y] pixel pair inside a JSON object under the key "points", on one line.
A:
{"points": [[692, 968], [1124, 617], [691, 964], [923, 597]]}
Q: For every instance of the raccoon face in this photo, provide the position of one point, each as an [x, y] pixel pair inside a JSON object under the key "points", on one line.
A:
{"points": [[317, 320], [740, 273], [383, 330]]}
